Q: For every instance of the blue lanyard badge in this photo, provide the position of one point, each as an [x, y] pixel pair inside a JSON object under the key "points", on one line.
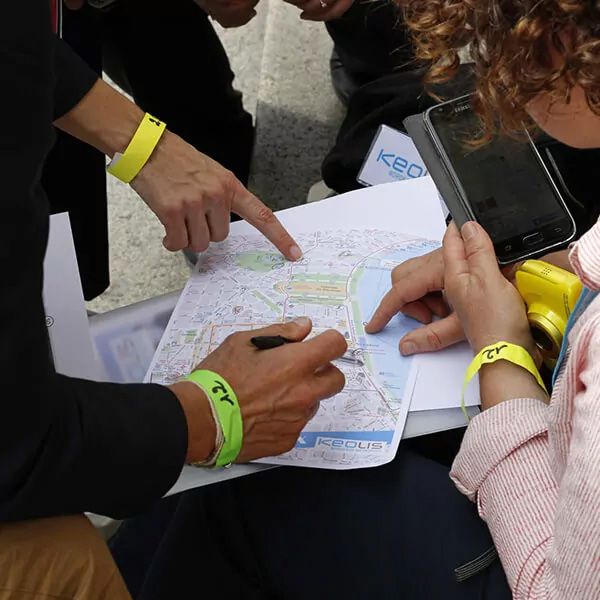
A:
{"points": [[585, 299]]}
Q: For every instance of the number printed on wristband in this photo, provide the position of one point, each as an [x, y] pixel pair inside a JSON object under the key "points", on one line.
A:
{"points": [[220, 388], [491, 353]]}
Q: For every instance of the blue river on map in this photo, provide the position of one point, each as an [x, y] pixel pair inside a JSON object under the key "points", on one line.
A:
{"points": [[390, 367]]}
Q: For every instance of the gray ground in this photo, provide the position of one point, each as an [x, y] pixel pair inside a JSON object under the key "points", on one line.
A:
{"points": [[282, 66]]}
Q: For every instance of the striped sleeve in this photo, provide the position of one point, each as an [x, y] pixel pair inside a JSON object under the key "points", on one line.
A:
{"points": [[584, 258], [546, 531]]}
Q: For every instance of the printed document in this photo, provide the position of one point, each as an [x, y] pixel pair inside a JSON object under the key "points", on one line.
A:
{"points": [[245, 284]]}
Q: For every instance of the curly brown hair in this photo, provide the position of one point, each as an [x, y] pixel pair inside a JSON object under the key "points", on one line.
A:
{"points": [[511, 43]]}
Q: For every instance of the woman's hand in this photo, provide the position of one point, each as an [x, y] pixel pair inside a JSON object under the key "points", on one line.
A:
{"points": [[278, 390], [489, 307], [194, 196], [490, 310], [417, 286]]}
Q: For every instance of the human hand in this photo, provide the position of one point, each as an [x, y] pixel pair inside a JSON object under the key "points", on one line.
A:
{"points": [[229, 13], [417, 286], [490, 310], [416, 291], [321, 10], [489, 307], [193, 197], [278, 390]]}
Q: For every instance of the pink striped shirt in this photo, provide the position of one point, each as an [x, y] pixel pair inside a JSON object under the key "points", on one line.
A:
{"points": [[534, 470]]}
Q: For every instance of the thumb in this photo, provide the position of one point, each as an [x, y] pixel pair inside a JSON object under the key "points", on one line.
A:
{"points": [[433, 337], [479, 249], [295, 331]]}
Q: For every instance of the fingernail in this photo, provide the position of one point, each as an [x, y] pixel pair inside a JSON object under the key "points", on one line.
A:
{"points": [[295, 253], [408, 348], [469, 231], [302, 321]]}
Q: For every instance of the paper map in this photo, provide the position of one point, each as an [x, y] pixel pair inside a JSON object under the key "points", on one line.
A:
{"points": [[244, 284]]}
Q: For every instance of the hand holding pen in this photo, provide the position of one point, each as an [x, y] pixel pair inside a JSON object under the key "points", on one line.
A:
{"points": [[278, 392], [268, 342]]}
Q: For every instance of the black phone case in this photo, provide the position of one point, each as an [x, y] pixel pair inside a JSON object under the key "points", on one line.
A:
{"points": [[415, 127]]}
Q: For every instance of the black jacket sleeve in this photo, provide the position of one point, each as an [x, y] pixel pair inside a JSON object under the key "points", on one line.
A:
{"points": [[74, 79], [65, 445]]}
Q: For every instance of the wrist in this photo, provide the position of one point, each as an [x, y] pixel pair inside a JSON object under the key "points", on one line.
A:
{"points": [[104, 118], [117, 137], [524, 341], [160, 155], [202, 430], [502, 380]]}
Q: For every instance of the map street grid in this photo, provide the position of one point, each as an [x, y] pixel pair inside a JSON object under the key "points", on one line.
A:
{"points": [[244, 284]]}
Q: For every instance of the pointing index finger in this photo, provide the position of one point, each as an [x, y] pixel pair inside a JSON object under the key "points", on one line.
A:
{"points": [[252, 210], [402, 293]]}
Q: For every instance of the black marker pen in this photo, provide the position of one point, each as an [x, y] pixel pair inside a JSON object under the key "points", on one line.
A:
{"points": [[268, 342]]}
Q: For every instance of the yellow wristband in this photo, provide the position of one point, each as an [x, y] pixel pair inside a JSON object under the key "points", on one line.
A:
{"points": [[140, 149], [501, 351]]}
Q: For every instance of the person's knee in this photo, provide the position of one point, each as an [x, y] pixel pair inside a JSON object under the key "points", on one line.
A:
{"points": [[63, 557]]}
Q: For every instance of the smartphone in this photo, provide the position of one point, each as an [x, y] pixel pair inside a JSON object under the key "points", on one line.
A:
{"points": [[503, 185]]}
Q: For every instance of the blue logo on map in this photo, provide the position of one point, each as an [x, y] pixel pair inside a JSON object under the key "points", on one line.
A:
{"points": [[345, 440]]}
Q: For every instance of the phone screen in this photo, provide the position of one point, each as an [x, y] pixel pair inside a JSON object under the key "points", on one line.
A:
{"points": [[503, 183]]}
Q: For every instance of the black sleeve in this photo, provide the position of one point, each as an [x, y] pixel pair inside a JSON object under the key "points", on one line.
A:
{"points": [[65, 445], [74, 79]]}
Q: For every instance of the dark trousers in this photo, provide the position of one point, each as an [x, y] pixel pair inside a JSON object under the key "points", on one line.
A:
{"points": [[372, 40], [395, 532], [169, 58]]}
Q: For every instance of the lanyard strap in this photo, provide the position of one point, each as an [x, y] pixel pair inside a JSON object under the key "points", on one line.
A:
{"points": [[585, 299]]}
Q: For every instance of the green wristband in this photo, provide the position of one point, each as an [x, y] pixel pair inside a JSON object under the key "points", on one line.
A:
{"points": [[228, 411]]}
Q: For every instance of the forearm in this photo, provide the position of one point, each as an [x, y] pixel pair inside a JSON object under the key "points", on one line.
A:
{"points": [[106, 448], [104, 119], [502, 381]]}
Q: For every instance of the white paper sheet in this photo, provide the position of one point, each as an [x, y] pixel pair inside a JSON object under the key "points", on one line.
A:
{"points": [[412, 206], [442, 374], [66, 316], [415, 206]]}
